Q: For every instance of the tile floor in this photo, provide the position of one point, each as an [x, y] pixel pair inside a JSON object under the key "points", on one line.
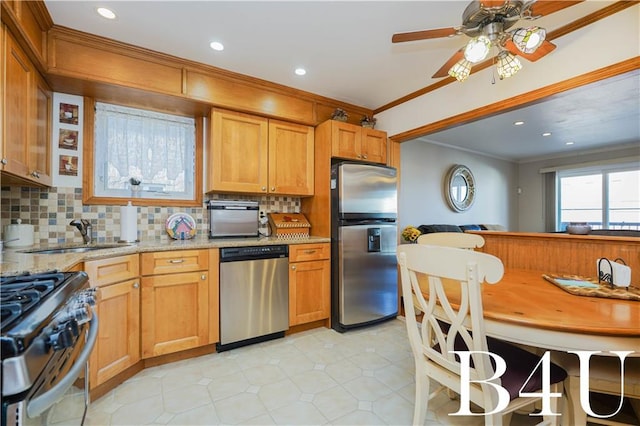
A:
{"points": [[318, 377]]}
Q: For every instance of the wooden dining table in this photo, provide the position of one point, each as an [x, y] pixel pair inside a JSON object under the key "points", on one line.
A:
{"points": [[525, 308]]}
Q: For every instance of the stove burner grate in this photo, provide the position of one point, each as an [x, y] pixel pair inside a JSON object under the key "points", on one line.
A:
{"points": [[19, 294]]}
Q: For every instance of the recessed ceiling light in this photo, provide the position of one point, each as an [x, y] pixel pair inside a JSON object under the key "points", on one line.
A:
{"points": [[216, 45], [569, 143], [300, 71], [106, 13], [546, 134], [518, 123]]}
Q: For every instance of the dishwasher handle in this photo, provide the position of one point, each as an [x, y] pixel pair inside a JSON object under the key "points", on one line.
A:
{"points": [[236, 254]]}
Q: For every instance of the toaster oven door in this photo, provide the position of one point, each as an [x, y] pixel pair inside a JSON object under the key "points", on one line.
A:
{"points": [[233, 223]]}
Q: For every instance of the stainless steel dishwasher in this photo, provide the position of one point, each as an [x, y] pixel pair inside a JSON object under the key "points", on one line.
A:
{"points": [[254, 294]]}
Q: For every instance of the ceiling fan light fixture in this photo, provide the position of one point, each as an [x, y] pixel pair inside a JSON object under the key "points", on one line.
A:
{"points": [[528, 39], [477, 49], [507, 64], [460, 70]]}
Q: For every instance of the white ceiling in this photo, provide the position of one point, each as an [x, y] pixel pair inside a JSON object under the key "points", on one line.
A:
{"points": [[347, 51]]}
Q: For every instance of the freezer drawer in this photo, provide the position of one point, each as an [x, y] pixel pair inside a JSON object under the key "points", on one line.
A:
{"points": [[367, 279]]}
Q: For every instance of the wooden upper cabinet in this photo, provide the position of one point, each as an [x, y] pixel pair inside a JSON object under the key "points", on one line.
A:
{"points": [[374, 146], [353, 142], [346, 140], [26, 117], [290, 158], [238, 149], [255, 155], [17, 87], [39, 150]]}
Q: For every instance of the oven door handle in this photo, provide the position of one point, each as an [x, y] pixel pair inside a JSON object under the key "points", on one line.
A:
{"points": [[38, 405]]}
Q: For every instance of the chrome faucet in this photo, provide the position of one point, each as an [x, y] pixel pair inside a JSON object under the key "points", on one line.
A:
{"points": [[84, 226]]}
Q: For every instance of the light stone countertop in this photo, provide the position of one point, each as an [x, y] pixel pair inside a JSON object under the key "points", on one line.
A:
{"points": [[14, 261]]}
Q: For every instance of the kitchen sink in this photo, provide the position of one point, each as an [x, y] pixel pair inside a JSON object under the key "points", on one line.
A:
{"points": [[74, 249]]}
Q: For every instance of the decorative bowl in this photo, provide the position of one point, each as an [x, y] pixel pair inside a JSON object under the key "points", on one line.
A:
{"points": [[578, 228]]}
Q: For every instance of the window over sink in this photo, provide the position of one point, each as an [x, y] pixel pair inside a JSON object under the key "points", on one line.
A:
{"points": [[143, 154]]}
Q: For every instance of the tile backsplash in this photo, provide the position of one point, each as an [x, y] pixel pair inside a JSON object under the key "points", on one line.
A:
{"points": [[51, 209]]}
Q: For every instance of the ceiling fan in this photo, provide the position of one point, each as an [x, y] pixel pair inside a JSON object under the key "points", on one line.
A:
{"points": [[487, 23]]}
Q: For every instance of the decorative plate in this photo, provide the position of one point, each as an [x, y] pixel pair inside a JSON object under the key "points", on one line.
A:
{"points": [[181, 226]]}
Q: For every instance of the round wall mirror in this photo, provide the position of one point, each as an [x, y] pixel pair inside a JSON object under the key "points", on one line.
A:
{"points": [[460, 188]]}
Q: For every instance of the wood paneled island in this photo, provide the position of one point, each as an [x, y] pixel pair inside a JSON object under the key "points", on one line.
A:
{"points": [[561, 253]]}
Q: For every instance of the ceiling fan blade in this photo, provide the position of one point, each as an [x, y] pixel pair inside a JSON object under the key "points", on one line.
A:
{"points": [[545, 48], [444, 70], [492, 3], [546, 7], [423, 35]]}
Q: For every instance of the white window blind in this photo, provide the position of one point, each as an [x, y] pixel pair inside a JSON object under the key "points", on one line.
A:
{"points": [[154, 148]]}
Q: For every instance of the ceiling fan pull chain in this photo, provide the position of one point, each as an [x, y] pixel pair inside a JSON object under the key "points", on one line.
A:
{"points": [[493, 71]]}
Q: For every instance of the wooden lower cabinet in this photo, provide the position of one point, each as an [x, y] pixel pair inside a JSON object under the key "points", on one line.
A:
{"points": [[309, 283], [118, 345], [118, 309], [175, 305]]}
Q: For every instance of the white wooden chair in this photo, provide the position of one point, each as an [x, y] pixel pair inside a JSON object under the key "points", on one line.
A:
{"points": [[604, 377], [461, 327], [452, 239]]}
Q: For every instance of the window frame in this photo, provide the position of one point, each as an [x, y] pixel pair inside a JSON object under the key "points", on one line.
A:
{"points": [[88, 173], [604, 171]]}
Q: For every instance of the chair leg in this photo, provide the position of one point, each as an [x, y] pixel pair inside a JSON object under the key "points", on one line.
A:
{"points": [[555, 406], [573, 415], [422, 397]]}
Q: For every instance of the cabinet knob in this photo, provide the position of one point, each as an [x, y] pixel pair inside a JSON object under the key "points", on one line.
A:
{"points": [[35, 174], [203, 277], [273, 188], [136, 285], [293, 267], [264, 188], [4, 161], [359, 156], [364, 156]]}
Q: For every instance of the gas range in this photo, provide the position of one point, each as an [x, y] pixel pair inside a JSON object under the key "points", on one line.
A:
{"points": [[48, 330]]}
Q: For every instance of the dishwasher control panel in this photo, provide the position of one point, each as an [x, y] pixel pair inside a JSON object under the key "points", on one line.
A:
{"points": [[234, 254]]}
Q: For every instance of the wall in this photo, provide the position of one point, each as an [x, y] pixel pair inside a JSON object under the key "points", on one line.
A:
{"points": [[51, 209], [531, 202], [423, 167]]}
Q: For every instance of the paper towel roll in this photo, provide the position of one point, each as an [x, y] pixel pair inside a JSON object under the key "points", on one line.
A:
{"points": [[129, 223]]}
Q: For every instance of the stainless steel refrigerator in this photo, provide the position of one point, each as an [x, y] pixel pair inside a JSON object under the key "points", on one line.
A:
{"points": [[364, 279]]}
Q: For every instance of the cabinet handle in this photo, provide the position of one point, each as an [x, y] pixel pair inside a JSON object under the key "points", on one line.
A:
{"points": [[176, 261], [293, 267], [35, 174], [309, 251], [203, 277], [136, 285], [4, 161]]}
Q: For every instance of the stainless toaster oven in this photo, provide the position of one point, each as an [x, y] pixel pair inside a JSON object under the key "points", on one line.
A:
{"points": [[233, 218]]}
